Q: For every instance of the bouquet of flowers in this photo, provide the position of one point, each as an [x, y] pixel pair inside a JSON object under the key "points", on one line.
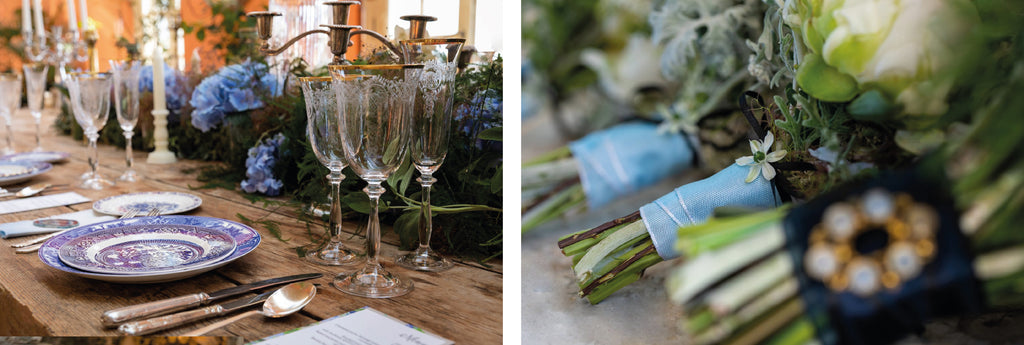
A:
{"points": [[917, 89]]}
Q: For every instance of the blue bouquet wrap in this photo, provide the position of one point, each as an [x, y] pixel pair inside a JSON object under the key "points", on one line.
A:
{"points": [[622, 159], [695, 202]]}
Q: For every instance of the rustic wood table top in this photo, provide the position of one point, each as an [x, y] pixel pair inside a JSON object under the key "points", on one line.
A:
{"points": [[463, 304]]}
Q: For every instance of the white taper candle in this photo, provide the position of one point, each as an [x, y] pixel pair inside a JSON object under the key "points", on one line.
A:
{"points": [[85, 15], [26, 26], [72, 18], [38, 7]]}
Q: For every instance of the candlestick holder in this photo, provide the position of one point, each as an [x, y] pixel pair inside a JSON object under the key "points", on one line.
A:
{"points": [[338, 30], [91, 37]]}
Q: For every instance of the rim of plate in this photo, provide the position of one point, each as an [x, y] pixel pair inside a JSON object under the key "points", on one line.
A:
{"points": [[246, 238], [35, 169], [58, 156], [108, 205]]}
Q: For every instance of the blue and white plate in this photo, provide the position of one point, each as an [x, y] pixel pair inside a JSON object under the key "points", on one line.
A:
{"points": [[147, 248], [246, 240], [12, 172], [43, 156], [168, 202]]}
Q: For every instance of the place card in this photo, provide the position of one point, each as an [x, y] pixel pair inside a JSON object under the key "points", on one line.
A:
{"points": [[52, 223], [363, 326], [40, 202]]}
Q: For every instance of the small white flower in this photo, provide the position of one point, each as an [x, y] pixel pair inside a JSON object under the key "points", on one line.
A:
{"points": [[759, 162]]}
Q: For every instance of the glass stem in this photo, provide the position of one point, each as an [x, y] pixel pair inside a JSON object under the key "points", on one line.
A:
{"points": [[335, 177], [128, 148], [10, 137], [93, 155], [374, 190], [39, 141], [426, 217]]}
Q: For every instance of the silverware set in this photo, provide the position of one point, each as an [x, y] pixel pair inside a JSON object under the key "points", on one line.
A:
{"points": [[129, 320], [34, 244]]}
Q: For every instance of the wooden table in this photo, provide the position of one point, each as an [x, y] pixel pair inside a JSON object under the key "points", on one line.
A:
{"points": [[463, 304]]}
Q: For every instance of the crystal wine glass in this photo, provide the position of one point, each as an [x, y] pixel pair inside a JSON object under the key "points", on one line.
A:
{"points": [[126, 103], [375, 103], [90, 99], [323, 131], [10, 99], [35, 85], [431, 122]]}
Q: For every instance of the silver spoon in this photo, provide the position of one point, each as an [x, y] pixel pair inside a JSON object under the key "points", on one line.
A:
{"points": [[30, 190], [283, 302]]}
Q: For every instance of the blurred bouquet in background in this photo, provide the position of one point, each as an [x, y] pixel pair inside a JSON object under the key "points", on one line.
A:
{"points": [[886, 162]]}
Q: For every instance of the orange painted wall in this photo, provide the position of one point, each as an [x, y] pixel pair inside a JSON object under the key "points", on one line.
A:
{"points": [[106, 13]]}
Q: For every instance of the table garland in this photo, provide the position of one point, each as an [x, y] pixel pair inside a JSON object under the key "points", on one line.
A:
{"points": [[237, 115]]}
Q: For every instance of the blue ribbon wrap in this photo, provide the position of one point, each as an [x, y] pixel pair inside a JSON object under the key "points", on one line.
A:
{"points": [[695, 202], [625, 158]]}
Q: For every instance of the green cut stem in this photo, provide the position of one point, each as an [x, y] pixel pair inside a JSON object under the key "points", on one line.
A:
{"points": [[553, 207], [559, 153]]}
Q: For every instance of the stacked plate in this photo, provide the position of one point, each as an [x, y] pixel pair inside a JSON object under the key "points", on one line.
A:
{"points": [[12, 172], [149, 249]]}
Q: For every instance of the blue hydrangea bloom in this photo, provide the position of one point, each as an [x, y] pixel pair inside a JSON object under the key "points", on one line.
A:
{"points": [[483, 112], [232, 89], [259, 167], [174, 85]]}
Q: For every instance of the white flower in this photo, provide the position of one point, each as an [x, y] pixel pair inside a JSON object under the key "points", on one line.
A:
{"points": [[759, 161]]}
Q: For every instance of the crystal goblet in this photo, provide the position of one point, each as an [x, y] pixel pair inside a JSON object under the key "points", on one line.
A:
{"points": [[126, 104], [10, 99], [431, 123], [323, 130], [375, 103], [90, 100], [35, 85]]}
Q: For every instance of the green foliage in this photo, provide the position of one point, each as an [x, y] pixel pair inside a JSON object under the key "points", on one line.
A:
{"points": [[231, 30]]}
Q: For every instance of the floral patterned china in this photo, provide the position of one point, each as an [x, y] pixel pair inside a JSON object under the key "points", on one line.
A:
{"points": [[246, 239], [168, 202], [14, 172], [148, 248]]}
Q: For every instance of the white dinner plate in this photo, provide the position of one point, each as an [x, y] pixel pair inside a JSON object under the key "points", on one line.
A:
{"points": [[168, 202], [44, 156]]}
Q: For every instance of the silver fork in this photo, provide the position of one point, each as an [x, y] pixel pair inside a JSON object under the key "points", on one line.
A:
{"points": [[34, 244], [154, 211]]}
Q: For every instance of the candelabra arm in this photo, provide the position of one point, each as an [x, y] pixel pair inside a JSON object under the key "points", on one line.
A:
{"points": [[380, 38], [265, 49]]}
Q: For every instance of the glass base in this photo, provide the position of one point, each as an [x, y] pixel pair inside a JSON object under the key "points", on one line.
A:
{"points": [[129, 176], [39, 149], [422, 260], [96, 182], [8, 151], [373, 282], [331, 254], [85, 176]]}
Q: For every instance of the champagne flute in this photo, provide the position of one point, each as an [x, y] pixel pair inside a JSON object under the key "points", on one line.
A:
{"points": [[126, 104], [432, 119], [375, 104], [35, 85], [90, 99], [323, 131], [10, 99]]}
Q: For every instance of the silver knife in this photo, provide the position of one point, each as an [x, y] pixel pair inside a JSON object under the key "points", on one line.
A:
{"points": [[160, 323], [112, 318]]}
